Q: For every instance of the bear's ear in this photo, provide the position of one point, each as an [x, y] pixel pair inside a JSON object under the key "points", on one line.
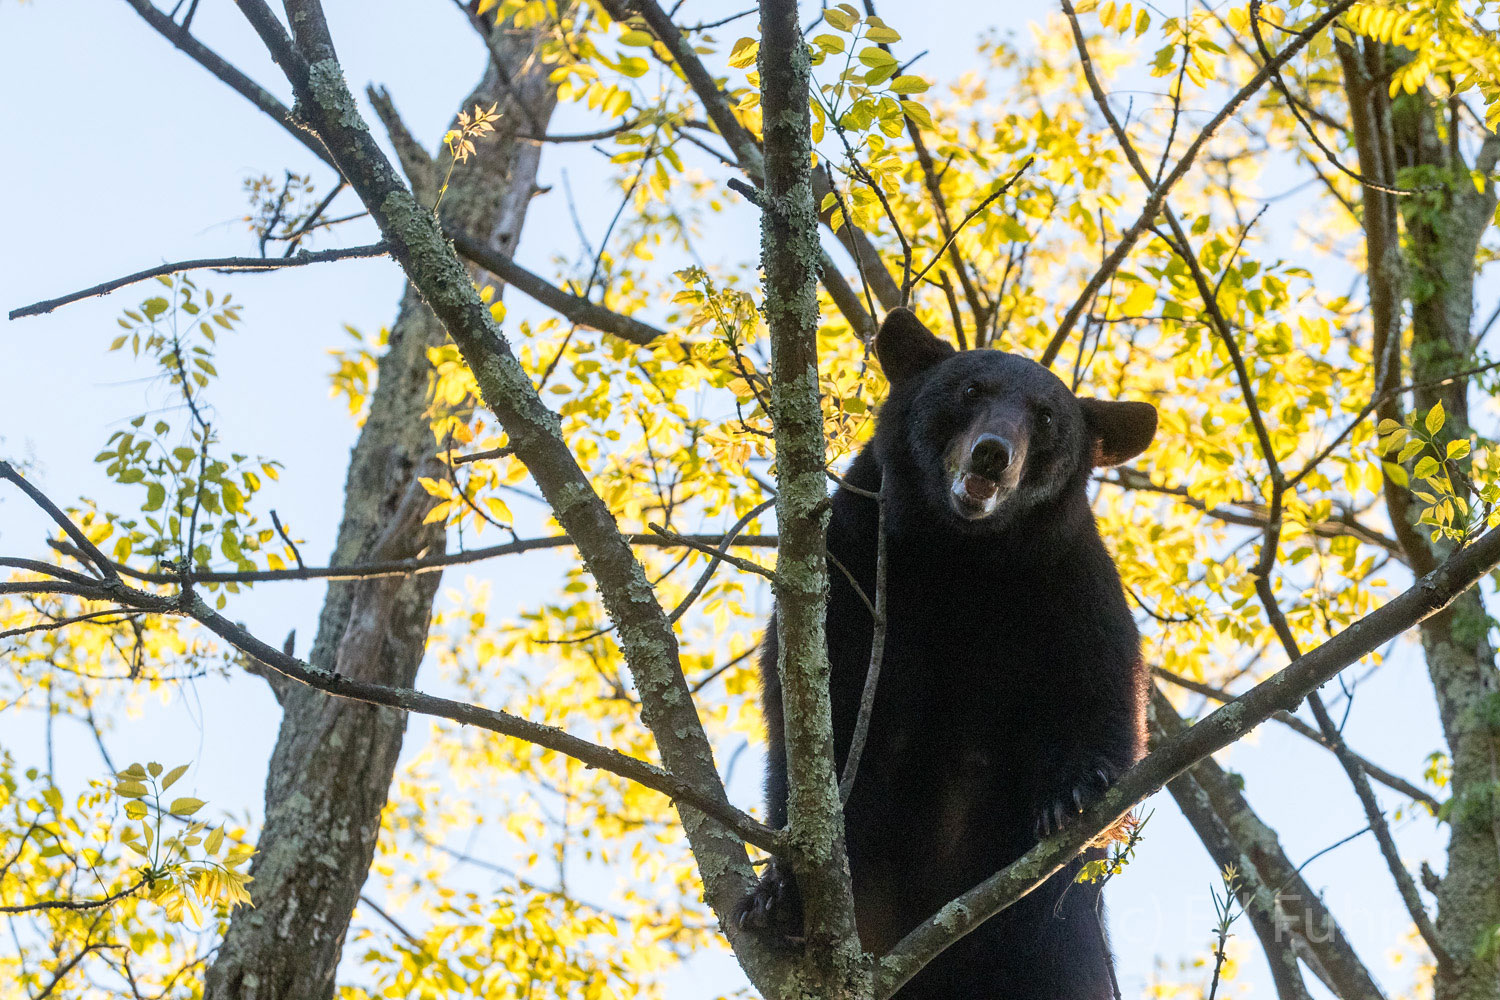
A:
{"points": [[1121, 430], [905, 347]]}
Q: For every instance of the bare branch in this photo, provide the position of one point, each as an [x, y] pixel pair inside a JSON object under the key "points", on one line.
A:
{"points": [[189, 604], [574, 308], [718, 553], [404, 567], [789, 242], [89, 550], [877, 656], [417, 243], [1392, 781], [76, 905], [227, 264], [1295, 107], [719, 556]]}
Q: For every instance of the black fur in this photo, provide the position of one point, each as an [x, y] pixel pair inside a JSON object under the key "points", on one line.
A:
{"points": [[1011, 690]]}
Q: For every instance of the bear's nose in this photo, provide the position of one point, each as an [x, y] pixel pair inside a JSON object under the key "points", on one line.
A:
{"points": [[990, 456]]}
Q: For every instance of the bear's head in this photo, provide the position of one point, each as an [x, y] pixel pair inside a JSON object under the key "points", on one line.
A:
{"points": [[984, 437]]}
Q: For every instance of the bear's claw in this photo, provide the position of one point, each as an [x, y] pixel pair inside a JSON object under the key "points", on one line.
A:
{"points": [[1057, 812], [773, 907]]}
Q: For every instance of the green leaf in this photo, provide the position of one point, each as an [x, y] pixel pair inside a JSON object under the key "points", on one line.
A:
{"points": [[1427, 467], [156, 495], [883, 34], [1458, 449], [825, 41], [172, 776], [1396, 474], [130, 789], [908, 84], [185, 806]]}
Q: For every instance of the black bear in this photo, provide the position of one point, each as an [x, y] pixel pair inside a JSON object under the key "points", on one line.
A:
{"points": [[1011, 690]]}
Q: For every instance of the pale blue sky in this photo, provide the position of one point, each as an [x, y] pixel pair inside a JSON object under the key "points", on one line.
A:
{"points": [[121, 152]]}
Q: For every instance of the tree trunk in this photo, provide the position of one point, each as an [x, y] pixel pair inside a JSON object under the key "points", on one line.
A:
{"points": [[1444, 221], [791, 262], [1443, 229], [334, 759]]}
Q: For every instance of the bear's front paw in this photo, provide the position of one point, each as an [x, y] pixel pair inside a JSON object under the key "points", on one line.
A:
{"points": [[774, 906], [1056, 812]]}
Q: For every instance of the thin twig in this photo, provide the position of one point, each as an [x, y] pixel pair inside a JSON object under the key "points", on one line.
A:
{"points": [[1294, 107], [276, 521], [877, 656], [735, 561], [719, 556], [973, 214]]}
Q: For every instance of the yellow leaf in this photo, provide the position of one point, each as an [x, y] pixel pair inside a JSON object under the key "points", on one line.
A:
{"points": [[918, 114], [744, 52], [840, 19]]}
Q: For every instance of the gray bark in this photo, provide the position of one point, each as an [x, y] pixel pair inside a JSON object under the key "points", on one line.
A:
{"points": [[791, 261], [334, 759]]}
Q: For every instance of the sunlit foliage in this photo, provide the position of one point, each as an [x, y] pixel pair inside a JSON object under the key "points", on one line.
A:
{"points": [[677, 435]]}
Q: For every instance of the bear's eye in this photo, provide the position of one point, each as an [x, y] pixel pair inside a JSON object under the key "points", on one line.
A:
{"points": [[972, 390], [1044, 418]]}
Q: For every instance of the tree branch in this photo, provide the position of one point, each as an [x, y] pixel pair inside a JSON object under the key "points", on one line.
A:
{"points": [[188, 604], [571, 307], [400, 567], [416, 163], [747, 152], [1392, 781], [214, 263], [89, 550]]}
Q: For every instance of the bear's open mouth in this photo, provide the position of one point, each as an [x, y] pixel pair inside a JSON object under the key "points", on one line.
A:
{"points": [[977, 488], [974, 496]]}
